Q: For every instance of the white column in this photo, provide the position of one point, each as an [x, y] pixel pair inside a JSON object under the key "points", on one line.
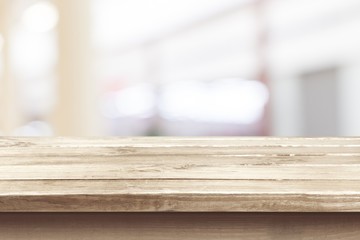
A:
{"points": [[9, 111], [76, 112]]}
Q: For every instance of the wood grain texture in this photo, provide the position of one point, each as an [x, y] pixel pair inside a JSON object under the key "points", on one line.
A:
{"points": [[184, 226], [213, 174]]}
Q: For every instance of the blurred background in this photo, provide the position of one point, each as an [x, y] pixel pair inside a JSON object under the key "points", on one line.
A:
{"points": [[179, 67]]}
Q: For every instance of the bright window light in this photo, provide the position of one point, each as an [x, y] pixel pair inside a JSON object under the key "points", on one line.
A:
{"points": [[122, 23], [138, 100], [224, 101], [40, 17]]}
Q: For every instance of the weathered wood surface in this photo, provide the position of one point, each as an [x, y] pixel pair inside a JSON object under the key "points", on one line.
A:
{"points": [[180, 174], [180, 226]]}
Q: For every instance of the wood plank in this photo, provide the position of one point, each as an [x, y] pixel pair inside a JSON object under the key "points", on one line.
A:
{"points": [[180, 174], [184, 226], [179, 195], [185, 170]]}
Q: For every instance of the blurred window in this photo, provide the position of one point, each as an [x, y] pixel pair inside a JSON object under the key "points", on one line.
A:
{"points": [[233, 101]]}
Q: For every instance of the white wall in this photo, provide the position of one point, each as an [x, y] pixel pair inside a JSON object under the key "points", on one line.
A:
{"points": [[327, 36], [350, 101]]}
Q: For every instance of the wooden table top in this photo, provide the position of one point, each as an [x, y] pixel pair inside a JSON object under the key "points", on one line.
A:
{"points": [[159, 174]]}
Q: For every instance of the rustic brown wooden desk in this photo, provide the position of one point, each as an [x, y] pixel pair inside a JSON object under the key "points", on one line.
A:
{"points": [[179, 188]]}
